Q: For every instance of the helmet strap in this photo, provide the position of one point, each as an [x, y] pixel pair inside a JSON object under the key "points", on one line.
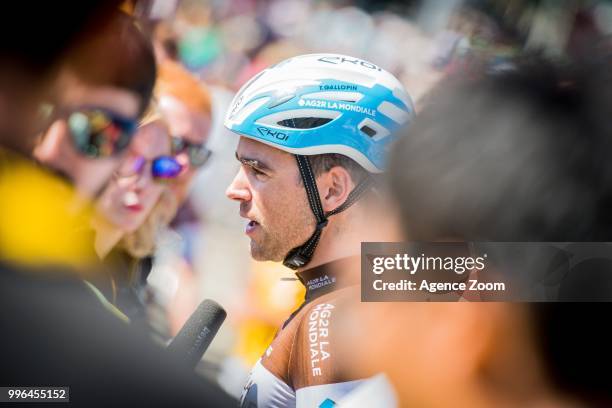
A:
{"points": [[301, 256]]}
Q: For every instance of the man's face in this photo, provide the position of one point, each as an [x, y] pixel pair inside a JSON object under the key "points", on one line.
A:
{"points": [[56, 148], [272, 199]]}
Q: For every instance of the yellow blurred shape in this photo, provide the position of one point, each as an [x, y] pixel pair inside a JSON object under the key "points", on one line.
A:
{"points": [[272, 296], [39, 221], [275, 291], [254, 337]]}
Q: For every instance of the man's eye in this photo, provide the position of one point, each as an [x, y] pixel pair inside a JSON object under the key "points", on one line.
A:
{"points": [[258, 172]]}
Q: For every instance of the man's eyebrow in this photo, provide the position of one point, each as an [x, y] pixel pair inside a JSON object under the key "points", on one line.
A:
{"points": [[258, 164]]}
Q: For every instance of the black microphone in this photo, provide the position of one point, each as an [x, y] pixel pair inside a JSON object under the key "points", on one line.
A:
{"points": [[191, 342]]}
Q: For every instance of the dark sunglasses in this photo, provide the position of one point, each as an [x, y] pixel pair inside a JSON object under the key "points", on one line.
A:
{"points": [[198, 153], [162, 167], [96, 132]]}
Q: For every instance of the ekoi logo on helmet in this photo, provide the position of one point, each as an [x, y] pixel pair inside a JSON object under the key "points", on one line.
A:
{"points": [[340, 59], [269, 133]]}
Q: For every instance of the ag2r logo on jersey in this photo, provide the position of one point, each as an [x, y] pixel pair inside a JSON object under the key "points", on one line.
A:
{"points": [[269, 133]]}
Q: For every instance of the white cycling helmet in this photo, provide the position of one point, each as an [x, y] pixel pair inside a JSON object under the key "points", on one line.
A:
{"points": [[323, 103]]}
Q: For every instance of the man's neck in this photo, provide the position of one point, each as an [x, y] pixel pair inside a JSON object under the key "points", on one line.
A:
{"points": [[338, 240]]}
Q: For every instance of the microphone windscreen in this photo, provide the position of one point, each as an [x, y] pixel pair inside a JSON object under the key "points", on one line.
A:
{"points": [[191, 342]]}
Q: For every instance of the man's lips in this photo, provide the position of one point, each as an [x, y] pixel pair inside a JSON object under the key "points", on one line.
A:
{"points": [[251, 227]]}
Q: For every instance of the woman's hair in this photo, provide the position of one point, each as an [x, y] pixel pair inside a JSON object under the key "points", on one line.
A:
{"points": [[141, 243], [174, 80], [151, 114]]}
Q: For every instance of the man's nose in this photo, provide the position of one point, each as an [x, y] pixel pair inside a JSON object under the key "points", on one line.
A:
{"points": [[239, 189]]}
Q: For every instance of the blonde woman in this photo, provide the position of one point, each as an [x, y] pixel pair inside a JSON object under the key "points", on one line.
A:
{"points": [[133, 208]]}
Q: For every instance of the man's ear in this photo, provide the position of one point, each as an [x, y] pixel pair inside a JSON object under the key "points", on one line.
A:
{"points": [[334, 187]]}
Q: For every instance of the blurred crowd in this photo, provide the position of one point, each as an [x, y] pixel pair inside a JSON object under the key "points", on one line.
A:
{"points": [[114, 162], [226, 43]]}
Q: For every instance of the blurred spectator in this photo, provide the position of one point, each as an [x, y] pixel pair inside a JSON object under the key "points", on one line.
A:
{"points": [[30, 62], [519, 156], [185, 105], [103, 88], [132, 210], [83, 345]]}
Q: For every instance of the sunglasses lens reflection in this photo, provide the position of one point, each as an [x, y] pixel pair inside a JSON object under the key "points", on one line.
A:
{"points": [[97, 134], [165, 167]]}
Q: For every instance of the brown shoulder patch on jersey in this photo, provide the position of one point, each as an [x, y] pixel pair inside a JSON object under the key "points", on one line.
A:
{"points": [[313, 360], [276, 357]]}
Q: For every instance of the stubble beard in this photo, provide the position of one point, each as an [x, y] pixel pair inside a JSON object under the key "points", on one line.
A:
{"points": [[275, 245]]}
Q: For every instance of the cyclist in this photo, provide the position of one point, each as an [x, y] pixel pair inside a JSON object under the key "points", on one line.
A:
{"points": [[314, 130]]}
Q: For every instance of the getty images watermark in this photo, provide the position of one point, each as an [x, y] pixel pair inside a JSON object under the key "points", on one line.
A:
{"points": [[412, 264], [486, 271]]}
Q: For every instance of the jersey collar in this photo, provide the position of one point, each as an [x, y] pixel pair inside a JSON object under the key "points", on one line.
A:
{"points": [[330, 276]]}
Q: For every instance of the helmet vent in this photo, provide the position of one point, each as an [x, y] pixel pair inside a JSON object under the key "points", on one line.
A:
{"points": [[304, 123], [374, 130], [368, 131]]}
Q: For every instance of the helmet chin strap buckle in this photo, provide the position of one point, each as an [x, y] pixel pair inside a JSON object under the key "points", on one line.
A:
{"points": [[295, 259], [300, 256]]}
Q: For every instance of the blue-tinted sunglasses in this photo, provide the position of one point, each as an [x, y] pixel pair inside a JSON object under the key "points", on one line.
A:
{"points": [[162, 167]]}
